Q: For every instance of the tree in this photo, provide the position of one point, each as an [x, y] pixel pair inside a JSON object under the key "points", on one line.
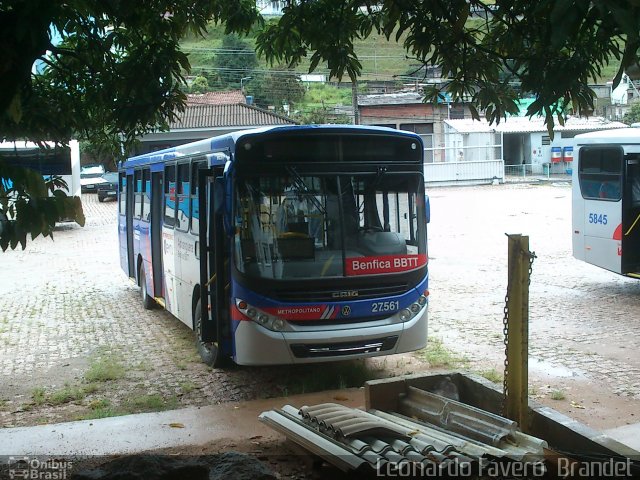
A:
{"points": [[110, 67], [278, 87], [95, 70], [633, 115], [235, 60], [553, 49], [200, 85]]}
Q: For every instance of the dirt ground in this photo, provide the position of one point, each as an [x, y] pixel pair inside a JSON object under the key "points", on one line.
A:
{"points": [[68, 311]]}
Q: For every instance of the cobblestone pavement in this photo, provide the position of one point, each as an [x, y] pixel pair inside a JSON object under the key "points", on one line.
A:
{"points": [[66, 309], [583, 320]]}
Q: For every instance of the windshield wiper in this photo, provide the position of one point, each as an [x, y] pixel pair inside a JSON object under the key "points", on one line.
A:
{"points": [[300, 185]]}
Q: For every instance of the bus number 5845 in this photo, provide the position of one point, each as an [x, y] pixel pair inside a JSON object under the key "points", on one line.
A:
{"points": [[595, 218]]}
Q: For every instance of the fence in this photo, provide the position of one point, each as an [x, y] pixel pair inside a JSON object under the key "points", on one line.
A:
{"points": [[527, 171], [464, 173]]}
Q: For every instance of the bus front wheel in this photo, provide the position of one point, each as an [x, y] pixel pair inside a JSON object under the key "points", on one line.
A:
{"points": [[147, 301], [209, 351]]}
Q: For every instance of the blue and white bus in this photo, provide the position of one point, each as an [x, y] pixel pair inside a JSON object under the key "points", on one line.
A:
{"points": [[283, 245], [47, 158], [606, 200]]}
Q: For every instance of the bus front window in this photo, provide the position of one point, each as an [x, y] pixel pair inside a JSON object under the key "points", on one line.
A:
{"points": [[328, 226]]}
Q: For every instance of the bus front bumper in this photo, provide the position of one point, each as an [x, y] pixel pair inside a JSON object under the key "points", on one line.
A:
{"points": [[256, 345]]}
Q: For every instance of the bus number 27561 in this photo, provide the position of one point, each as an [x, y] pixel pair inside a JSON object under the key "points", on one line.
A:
{"points": [[597, 218], [385, 306]]}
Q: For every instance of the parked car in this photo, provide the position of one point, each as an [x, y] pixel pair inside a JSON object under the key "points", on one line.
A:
{"points": [[90, 177], [109, 187]]}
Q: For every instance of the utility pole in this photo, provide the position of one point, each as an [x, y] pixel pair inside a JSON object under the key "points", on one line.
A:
{"points": [[354, 101]]}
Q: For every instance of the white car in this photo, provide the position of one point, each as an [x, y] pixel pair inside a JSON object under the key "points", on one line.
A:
{"points": [[91, 177]]}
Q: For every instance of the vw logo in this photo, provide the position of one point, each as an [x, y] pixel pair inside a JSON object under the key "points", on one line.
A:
{"points": [[346, 311]]}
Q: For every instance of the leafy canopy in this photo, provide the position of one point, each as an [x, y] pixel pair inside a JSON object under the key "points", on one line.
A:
{"points": [[113, 68], [551, 48], [90, 69]]}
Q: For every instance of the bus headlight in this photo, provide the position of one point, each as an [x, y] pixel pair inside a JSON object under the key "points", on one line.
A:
{"points": [[262, 318], [414, 309]]}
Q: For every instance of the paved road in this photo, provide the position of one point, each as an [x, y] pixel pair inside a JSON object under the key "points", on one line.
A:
{"points": [[65, 305]]}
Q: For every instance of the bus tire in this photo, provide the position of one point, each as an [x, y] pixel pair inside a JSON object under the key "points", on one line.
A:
{"points": [[209, 352], [147, 301]]}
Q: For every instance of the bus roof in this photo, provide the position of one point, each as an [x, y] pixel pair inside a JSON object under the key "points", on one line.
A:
{"points": [[616, 135], [230, 139]]}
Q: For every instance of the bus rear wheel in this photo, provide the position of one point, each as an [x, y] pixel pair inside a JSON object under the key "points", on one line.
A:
{"points": [[147, 301], [209, 351]]}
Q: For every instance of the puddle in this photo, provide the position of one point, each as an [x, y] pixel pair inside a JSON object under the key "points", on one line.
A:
{"points": [[551, 370]]}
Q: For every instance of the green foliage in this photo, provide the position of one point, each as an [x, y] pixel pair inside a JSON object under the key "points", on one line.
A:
{"points": [[236, 60], [633, 115], [27, 209], [200, 84], [552, 49], [103, 69], [277, 88]]}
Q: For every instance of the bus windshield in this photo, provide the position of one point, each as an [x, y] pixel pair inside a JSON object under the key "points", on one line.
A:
{"points": [[312, 226]]}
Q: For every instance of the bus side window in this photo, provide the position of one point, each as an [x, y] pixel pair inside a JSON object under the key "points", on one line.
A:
{"points": [[146, 195], [170, 195], [600, 173], [123, 192], [195, 212], [137, 180], [182, 198]]}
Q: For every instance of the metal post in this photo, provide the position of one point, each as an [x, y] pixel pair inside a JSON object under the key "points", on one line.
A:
{"points": [[354, 101], [517, 332]]}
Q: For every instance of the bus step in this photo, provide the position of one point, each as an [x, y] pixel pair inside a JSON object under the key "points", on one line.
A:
{"points": [[160, 301], [634, 275]]}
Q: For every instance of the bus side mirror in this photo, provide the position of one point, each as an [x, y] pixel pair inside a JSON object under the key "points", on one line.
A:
{"points": [[427, 208]]}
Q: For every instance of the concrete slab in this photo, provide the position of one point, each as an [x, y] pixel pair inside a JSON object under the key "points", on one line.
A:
{"points": [[627, 434], [149, 431]]}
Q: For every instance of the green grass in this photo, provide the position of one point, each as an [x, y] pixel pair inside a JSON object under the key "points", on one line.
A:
{"points": [[557, 395], [187, 386], [70, 393], [105, 368], [150, 403], [38, 395], [492, 375], [440, 356]]}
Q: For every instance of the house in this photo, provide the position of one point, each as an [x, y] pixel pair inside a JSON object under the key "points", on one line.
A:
{"points": [[517, 140], [408, 111], [208, 115]]}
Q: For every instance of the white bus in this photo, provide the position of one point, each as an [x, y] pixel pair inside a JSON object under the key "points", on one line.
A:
{"points": [[283, 245], [606, 200], [54, 160]]}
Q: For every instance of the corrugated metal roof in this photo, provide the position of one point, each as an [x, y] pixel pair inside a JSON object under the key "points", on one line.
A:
{"points": [[238, 115], [404, 98], [535, 124], [216, 98], [351, 438]]}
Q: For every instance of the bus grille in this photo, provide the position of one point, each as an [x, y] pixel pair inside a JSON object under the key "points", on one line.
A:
{"points": [[327, 295], [344, 349]]}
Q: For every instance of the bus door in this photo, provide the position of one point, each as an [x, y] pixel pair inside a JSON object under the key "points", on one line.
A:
{"points": [[129, 220], [631, 216], [157, 201], [213, 275]]}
